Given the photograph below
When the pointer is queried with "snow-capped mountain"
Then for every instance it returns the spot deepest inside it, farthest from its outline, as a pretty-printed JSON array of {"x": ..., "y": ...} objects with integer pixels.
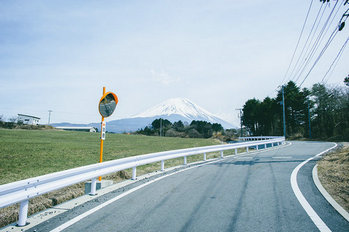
[{"x": 173, "y": 110}]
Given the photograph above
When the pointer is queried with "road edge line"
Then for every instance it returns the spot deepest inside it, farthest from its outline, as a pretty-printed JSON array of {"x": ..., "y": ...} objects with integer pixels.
[
  {"x": 327, "y": 196},
  {"x": 56, "y": 210},
  {"x": 321, "y": 225},
  {"x": 91, "y": 211}
]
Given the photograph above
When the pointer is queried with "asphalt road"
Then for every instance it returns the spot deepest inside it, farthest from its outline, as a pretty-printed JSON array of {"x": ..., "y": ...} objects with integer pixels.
[{"x": 241, "y": 193}]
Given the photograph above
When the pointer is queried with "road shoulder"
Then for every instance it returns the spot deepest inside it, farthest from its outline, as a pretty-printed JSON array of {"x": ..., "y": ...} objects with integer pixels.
[{"x": 327, "y": 196}]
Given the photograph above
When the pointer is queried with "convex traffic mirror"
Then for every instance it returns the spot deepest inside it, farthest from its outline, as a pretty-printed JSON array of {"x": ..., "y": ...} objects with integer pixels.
[{"x": 107, "y": 104}]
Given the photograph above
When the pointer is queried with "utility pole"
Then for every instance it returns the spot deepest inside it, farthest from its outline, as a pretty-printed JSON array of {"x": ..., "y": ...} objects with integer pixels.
[
  {"x": 240, "y": 115},
  {"x": 309, "y": 121},
  {"x": 160, "y": 126},
  {"x": 49, "y": 116},
  {"x": 283, "y": 110}
]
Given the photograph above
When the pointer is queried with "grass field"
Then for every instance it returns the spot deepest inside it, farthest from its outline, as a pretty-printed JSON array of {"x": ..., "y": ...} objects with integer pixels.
[{"x": 29, "y": 153}]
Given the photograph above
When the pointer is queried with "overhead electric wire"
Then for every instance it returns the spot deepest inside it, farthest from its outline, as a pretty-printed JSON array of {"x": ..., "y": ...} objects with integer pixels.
[
  {"x": 306, "y": 43},
  {"x": 334, "y": 17},
  {"x": 333, "y": 35},
  {"x": 299, "y": 39},
  {"x": 315, "y": 46},
  {"x": 310, "y": 53},
  {"x": 335, "y": 61}
]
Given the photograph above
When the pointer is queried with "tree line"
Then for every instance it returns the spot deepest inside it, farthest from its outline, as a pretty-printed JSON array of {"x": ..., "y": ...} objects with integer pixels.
[
  {"x": 321, "y": 112},
  {"x": 196, "y": 129}
]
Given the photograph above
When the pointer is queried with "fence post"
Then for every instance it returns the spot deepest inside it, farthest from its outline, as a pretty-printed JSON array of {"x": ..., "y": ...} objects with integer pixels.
[
  {"x": 222, "y": 155},
  {"x": 134, "y": 173},
  {"x": 93, "y": 187},
  {"x": 185, "y": 160},
  {"x": 205, "y": 156},
  {"x": 236, "y": 151},
  {"x": 23, "y": 213},
  {"x": 162, "y": 165}
]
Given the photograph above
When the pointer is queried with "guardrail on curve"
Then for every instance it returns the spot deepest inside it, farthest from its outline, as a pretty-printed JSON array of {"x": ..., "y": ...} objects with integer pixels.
[{"x": 23, "y": 190}]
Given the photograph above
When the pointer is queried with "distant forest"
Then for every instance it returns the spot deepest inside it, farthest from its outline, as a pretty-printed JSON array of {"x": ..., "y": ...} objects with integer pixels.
[
  {"x": 321, "y": 112},
  {"x": 196, "y": 129}
]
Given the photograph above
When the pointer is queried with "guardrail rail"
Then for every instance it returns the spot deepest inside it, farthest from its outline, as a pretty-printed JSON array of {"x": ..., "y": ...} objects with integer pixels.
[{"x": 22, "y": 191}]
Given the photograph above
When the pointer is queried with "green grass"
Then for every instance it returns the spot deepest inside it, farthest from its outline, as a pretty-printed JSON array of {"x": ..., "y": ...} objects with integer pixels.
[{"x": 29, "y": 153}]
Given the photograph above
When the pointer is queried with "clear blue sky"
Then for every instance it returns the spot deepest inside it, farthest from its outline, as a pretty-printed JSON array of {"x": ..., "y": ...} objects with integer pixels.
[{"x": 57, "y": 55}]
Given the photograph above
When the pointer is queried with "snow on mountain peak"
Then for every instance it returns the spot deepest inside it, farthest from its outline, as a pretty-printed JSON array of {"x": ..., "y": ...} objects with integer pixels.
[{"x": 179, "y": 106}]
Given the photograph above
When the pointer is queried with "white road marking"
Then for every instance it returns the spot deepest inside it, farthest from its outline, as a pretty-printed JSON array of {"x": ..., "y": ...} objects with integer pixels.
[
  {"x": 91, "y": 211},
  {"x": 327, "y": 196},
  {"x": 282, "y": 157},
  {"x": 305, "y": 204}
]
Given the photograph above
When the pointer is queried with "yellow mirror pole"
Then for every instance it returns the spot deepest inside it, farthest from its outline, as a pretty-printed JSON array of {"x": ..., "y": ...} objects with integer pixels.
[{"x": 101, "y": 147}]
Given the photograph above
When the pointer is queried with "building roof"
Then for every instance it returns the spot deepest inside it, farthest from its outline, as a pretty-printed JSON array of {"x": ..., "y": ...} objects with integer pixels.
[
  {"x": 26, "y": 115},
  {"x": 75, "y": 127}
]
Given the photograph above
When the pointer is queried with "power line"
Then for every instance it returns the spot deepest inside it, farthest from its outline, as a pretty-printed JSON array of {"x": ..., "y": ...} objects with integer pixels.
[
  {"x": 306, "y": 54},
  {"x": 306, "y": 42},
  {"x": 300, "y": 36},
  {"x": 335, "y": 61},
  {"x": 333, "y": 35},
  {"x": 316, "y": 46},
  {"x": 334, "y": 17}
]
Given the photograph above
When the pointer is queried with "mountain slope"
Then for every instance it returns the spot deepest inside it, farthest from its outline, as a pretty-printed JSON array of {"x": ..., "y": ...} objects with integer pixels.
[
  {"x": 172, "y": 109},
  {"x": 178, "y": 106}
]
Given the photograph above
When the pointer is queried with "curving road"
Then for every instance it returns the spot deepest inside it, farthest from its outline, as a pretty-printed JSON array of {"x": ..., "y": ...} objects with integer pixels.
[{"x": 240, "y": 193}]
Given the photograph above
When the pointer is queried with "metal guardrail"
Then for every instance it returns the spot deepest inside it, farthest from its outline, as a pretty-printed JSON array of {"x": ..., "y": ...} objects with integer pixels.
[
  {"x": 22, "y": 191},
  {"x": 254, "y": 138}
]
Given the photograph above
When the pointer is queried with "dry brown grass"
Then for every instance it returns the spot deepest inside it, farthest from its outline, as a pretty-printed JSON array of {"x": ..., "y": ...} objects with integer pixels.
[{"x": 333, "y": 172}]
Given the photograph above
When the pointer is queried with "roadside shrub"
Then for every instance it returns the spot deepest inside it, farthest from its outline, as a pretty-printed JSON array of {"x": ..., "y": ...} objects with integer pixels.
[
  {"x": 192, "y": 133},
  {"x": 173, "y": 133}
]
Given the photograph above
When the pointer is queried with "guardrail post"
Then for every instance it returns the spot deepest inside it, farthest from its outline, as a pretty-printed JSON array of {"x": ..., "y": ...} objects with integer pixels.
[
  {"x": 134, "y": 173},
  {"x": 162, "y": 165},
  {"x": 93, "y": 187},
  {"x": 185, "y": 160},
  {"x": 272, "y": 144},
  {"x": 205, "y": 157},
  {"x": 265, "y": 146},
  {"x": 236, "y": 151},
  {"x": 23, "y": 213},
  {"x": 246, "y": 149},
  {"x": 257, "y": 147},
  {"x": 222, "y": 155}
]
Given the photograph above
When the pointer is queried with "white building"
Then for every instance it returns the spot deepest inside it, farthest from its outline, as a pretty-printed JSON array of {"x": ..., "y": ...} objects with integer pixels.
[
  {"x": 28, "y": 119},
  {"x": 75, "y": 128}
]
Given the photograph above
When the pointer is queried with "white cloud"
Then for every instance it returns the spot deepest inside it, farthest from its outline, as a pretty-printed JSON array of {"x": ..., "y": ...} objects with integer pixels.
[{"x": 163, "y": 77}]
